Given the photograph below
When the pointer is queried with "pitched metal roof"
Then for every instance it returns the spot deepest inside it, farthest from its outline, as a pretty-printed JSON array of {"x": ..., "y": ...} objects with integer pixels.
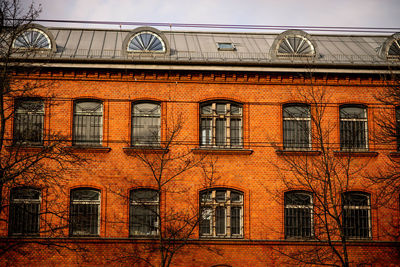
[{"x": 186, "y": 47}]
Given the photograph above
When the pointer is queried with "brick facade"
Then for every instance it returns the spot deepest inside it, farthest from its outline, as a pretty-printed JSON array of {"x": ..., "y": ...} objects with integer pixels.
[{"x": 252, "y": 170}]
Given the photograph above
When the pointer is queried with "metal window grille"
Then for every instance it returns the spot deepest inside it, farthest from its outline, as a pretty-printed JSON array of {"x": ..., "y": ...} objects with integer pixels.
[
  {"x": 221, "y": 213},
  {"x": 296, "y": 127},
  {"x": 356, "y": 215},
  {"x": 144, "y": 211},
  {"x": 88, "y": 123},
  {"x": 146, "y": 124},
  {"x": 353, "y": 128},
  {"x": 221, "y": 125},
  {"x": 24, "y": 211},
  {"x": 298, "y": 215},
  {"x": 28, "y": 122},
  {"x": 85, "y": 212}
]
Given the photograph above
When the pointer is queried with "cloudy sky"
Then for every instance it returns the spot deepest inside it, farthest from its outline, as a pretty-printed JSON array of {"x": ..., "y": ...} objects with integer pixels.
[{"x": 354, "y": 13}]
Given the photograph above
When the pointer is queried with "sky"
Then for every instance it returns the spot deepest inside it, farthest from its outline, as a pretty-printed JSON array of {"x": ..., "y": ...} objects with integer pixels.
[{"x": 349, "y": 13}]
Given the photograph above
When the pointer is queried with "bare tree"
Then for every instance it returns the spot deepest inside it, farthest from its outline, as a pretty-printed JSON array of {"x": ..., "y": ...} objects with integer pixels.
[
  {"x": 319, "y": 177},
  {"x": 31, "y": 159},
  {"x": 164, "y": 212}
]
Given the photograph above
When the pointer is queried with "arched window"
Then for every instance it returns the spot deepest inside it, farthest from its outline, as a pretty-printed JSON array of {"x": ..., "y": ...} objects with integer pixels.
[
  {"x": 353, "y": 127},
  {"x": 296, "y": 126},
  {"x": 85, "y": 212},
  {"x": 298, "y": 214},
  {"x": 146, "y": 41},
  {"x": 295, "y": 45},
  {"x": 356, "y": 218},
  {"x": 146, "y": 124},
  {"x": 394, "y": 49},
  {"x": 32, "y": 39},
  {"x": 88, "y": 122},
  {"x": 221, "y": 213},
  {"x": 221, "y": 124},
  {"x": 144, "y": 212},
  {"x": 28, "y": 121},
  {"x": 24, "y": 211}
]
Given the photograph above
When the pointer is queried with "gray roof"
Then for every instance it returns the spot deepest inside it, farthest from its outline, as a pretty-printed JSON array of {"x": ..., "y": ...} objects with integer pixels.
[{"x": 88, "y": 45}]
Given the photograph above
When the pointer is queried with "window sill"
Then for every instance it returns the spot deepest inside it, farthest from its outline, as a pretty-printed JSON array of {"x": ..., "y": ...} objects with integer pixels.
[
  {"x": 395, "y": 154},
  {"x": 221, "y": 237},
  {"x": 26, "y": 148},
  {"x": 354, "y": 153},
  {"x": 144, "y": 150},
  {"x": 222, "y": 151},
  {"x": 88, "y": 149},
  {"x": 288, "y": 152}
]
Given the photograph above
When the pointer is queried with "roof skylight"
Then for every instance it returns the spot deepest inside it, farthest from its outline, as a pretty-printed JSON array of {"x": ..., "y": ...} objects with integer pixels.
[{"x": 226, "y": 46}]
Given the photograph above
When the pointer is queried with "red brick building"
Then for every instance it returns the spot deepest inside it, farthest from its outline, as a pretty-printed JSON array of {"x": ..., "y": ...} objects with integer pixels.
[{"x": 245, "y": 105}]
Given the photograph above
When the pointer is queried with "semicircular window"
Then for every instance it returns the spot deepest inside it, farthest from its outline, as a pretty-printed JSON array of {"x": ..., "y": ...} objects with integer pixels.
[
  {"x": 394, "y": 49},
  {"x": 146, "y": 42},
  {"x": 295, "y": 45},
  {"x": 32, "y": 39}
]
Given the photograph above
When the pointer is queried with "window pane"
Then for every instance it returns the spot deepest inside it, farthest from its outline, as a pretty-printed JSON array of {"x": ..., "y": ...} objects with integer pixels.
[
  {"x": 221, "y": 108},
  {"x": 236, "y": 132},
  {"x": 235, "y": 220},
  {"x": 144, "y": 219},
  {"x": 206, "y": 132},
  {"x": 220, "y": 130},
  {"x": 205, "y": 221},
  {"x": 220, "y": 195},
  {"x": 220, "y": 220}
]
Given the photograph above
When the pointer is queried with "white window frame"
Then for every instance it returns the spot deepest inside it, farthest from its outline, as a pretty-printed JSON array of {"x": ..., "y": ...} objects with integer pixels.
[{"x": 212, "y": 204}]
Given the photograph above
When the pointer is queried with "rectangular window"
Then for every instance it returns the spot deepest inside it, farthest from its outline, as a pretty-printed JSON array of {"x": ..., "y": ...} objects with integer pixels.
[
  {"x": 356, "y": 215},
  {"x": 24, "y": 211},
  {"x": 144, "y": 208},
  {"x": 221, "y": 213},
  {"x": 298, "y": 215},
  {"x": 146, "y": 124},
  {"x": 353, "y": 127},
  {"x": 88, "y": 123},
  {"x": 85, "y": 212},
  {"x": 296, "y": 126},
  {"x": 221, "y": 125},
  {"x": 28, "y": 122}
]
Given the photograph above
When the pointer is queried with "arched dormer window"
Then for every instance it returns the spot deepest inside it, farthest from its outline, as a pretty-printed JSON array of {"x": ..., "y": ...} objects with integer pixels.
[
  {"x": 390, "y": 49},
  {"x": 34, "y": 37},
  {"x": 146, "y": 39},
  {"x": 293, "y": 43}
]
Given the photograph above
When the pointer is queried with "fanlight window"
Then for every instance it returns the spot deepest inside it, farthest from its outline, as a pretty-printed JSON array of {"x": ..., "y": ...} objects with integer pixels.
[
  {"x": 32, "y": 39},
  {"x": 394, "y": 49},
  {"x": 295, "y": 45},
  {"x": 146, "y": 42}
]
